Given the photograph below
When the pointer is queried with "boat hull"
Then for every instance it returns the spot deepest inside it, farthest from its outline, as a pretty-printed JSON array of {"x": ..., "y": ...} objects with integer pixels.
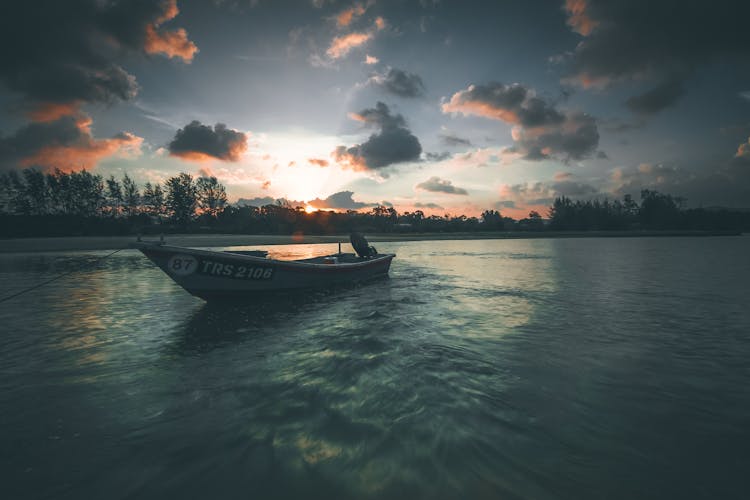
[{"x": 210, "y": 275}]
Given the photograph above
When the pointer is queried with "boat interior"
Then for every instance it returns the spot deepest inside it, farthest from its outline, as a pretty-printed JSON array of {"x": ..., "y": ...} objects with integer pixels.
[{"x": 338, "y": 258}]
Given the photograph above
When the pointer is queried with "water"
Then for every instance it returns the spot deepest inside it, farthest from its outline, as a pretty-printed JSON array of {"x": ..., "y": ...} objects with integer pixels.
[{"x": 540, "y": 369}]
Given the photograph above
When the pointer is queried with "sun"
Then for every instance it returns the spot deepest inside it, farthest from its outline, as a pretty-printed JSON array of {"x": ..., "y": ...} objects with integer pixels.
[{"x": 310, "y": 209}]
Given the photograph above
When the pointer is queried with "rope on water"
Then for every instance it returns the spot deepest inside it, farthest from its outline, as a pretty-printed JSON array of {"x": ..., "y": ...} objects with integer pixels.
[{"x": 39, "y": 285}]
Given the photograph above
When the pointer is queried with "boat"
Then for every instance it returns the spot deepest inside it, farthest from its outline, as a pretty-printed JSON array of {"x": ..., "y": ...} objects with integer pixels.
[{"x": 211, "y": 275}]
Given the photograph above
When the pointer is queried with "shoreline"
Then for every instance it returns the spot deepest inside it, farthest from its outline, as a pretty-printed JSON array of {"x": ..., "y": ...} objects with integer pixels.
[{"x": 83, "y": 243}]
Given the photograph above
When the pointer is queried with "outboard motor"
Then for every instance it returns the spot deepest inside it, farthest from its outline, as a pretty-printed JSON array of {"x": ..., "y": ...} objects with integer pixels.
[{"x": 361, "y": 246}]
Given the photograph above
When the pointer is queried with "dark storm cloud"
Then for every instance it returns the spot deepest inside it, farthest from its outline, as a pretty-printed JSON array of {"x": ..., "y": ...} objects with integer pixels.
[
  {"x": 658, "y": 98},
  {"x": 63, "y": 52},
  {"x": 661, "y": 41},
  {"x": 393, "y": 144},
  {"x": 65, "y": 143},
  {"x": 541, "y": 131},
  {"x": 342, "y": 200},
  {"x": 576, "y": 139},
  {"x": 399, "y": 82},
  {"x": 200, "y": 142},
  {"x": 438, "y": 185}
]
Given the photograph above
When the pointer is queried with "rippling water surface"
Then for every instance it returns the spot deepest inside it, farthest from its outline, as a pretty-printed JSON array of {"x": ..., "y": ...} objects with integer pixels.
[{"x": 559, "y": 368}]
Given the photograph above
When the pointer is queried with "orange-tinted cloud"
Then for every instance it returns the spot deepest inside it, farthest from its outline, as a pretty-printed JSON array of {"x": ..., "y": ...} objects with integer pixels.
[
  {"x": 540, "y": 129},
  {"x": 743, "y": 152},
  {"x": 318, "y": 162},
  {"x": 71, "y": 146},
  {"x": 346, "y": 16},
  {"x": 342, "y": 45},
  {"x": 349, "y": 158},
  {"x": 578, "y": 18},
  {"x": 173, "y": 43},
  {"x": 467, "y": 107},
  {"x": 51, "y": 111}
]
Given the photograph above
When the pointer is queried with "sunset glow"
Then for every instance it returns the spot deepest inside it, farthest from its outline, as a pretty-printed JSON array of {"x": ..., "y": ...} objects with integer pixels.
[{"x": 446, "y": 108}]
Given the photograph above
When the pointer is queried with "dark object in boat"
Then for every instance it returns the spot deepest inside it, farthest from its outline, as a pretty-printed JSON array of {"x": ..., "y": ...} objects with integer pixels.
[{"x": 362, "y": 246}]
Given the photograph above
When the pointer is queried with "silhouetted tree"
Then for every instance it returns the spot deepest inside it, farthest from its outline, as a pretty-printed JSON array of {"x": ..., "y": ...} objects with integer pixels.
[
  {"x": 182, "y": 198},
  {"x": 659, "y": 211},
  {"x": 130, "y": 194},
  {"x": 114, "y": 195},
  {"x": 153, "y": 199},
  {"x": 212, "y": 196},
  {"x": 492, "y": 220}
]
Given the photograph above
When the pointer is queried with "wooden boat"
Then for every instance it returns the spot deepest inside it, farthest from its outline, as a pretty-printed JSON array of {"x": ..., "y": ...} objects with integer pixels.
[{"x": 221, "y": 274}]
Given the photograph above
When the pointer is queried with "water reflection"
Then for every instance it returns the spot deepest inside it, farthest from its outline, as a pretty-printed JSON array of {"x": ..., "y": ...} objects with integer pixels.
[{"x": 531, "y": 369}]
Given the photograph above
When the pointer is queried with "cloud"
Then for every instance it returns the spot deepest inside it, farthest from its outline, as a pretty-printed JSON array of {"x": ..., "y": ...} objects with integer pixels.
[
  {"x": 370, "y": 60},
  {"x": 438, "y": 185},
  {"x": 379, "y": 116},
  {"x": 742, "y": 156},
  {"x": 578, "y": 18},
  {"x": 65, "y": 143},
  {"x": 342, "y": 200},
  {"x": 573, "y": 189},
  {"x": 450, "y": 139},
  {"x": 173, "y": 43},
  {"x": 433, "y": 206},
  {"x": 577, "y": 138},
  {"x": 540, "y": 130},
  {"x": 726, "y": 185},
  {"x": 346, "y": 16},
  {"x": 392, "y": 144},
  {"x": 199, "y": 142},
  {"x": 644, "y": 40},
  {"x": 68, "y": 54},
  {"x": 318, "y": 162},
  {"x": 399, "y": 82},
  {"x": 529, "y": 193},
  {"x": 543, "y": 193},
  {"x": 52, "y": 111},
  {"x": 256, "y": 202},
  {"x": 342, "y": 45},
  {"x": 438, "y": 156},
  {"x": 513, "y": 103},
  {"x": 662, "y": 96}
]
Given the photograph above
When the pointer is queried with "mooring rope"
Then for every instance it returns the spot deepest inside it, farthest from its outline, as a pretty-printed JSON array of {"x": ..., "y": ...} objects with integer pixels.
[{"x": 39, "y": 285}]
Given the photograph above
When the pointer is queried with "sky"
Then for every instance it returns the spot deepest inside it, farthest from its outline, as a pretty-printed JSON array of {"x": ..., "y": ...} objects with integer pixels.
[{"x": 435, "y": 105}]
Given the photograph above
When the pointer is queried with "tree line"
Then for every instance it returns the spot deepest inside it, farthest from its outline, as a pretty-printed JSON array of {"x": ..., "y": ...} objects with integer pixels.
[
  {"x": 656, "y": 211},
  {"x": 34, "y": 203}
]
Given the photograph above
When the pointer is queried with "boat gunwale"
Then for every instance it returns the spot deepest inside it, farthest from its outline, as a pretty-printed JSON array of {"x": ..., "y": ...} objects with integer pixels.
[{"x": 167, "y": 249}]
